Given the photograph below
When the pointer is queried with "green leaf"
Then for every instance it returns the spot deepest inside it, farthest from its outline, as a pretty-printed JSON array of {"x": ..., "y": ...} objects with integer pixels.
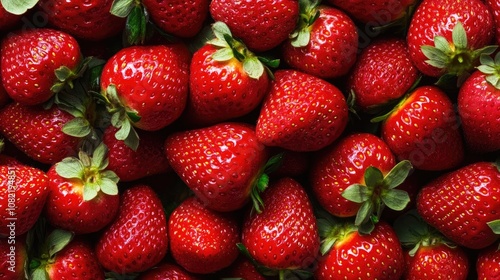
[
  {"x": 274, "y": 163},
  {"x": 410, "y": 228},
  {"x": 133, "y": 116},
  {"x": 302, "y": 38},
  {"x": 136, "y": 26},
  {"x": 57, "y": 240},
  {"x": 398, "y": 174},
  {"x": 373, "y": 176},
  {"x": 108, "y": 186},
  {"x": 124, "y": 130},
  {"x": 39, "y": 274},
  {"x": 220, "y": 30},
  {"x": 99, "y": 156},
  {"x": 487, "y": 69},
  {"x": 357, "y": 193},
  {"x": 77, "y": 127},
  {"x": 269, "y": 62},
  {"x": 69, "y": 168},
  {"x": 442, "y": 44},
  {"x": 494, "y": 80},
  {"x": 364, "y": 213},
  {"x": 122, "y": 8},
  {"x": 108, "y": 174},
  {"x": 18, "y": 7},
  {"x": 253, "y": 67},
  {"x": 90, "y": 190},
  {"x": 487, "y": 60},
  {"x": 396, "y": 199},
  {"x": 223, "y": 54},
  {"x": 459, "y": 36},
  {"x": 495, "y": 226}
]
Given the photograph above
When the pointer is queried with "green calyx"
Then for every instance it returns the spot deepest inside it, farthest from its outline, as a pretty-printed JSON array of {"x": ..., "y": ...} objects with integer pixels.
[
  {"x": 332, "y": 230},
  {"x": 91, "y": 171},
  {"x": 18, "y": 7},
  {"x": 495, "y": 226},
  {"x": 379, "y": 191},
  {"x": 57, "y": 240},
  {"x": 456, "y": 57},
  {"x": 307, "y": 16},
  {"x": 491, "y": 68},
  {"x": 229, "y": 48},
  {"x": 1, "y": 145},
  {"x": 137, "y": 20},
  {"x": 65, "y": 76},
  {"x": 262, "y": 182}
]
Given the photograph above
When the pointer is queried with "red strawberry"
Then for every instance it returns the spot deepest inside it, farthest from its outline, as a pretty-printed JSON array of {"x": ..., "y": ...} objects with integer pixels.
[
  {"x": 90, "y": 20},
  {"x": 82, "y": 193},
  {"x": 260, "y": 24},
  {"x": 301, "y": 112},
  {"x": 423, "y": 128},
  {"x": 38, "y": 132},
  {"x": 462, "y": 202},
  {"x": 376, "y": 13},
  {"x": 137, "y": 239},
  {"x": 147, "y": 87},
  {"x": 226, "y": 80},
  {"x": 284, "y": 236},
  {"x": 347, "y": 253},
  {"x": 479, "y": 106},
  {"x": 201, "y": 240},
  {"x": 167, "y": 271},
  {"x": 13, "y": 258},
  {"x": 495, "y": 11},
  {"x": 382, "y": 73},
  {"x": 23, "y": 194},
  {"x": 8, "y": 20},
  {"x": 129, "y": 165},
  {"x": 488, "y": 263},
  {"x": 435, "y": 22},
  {"x": 325, "y": 42},
  {"x": 243, "y": 268},
  {"x": 38, "y": 62},
  {"x": 222, "y": 164},
  {"x": 358, "y": 173}
]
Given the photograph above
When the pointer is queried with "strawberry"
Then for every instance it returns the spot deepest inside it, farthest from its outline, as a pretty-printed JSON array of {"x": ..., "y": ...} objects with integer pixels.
[
  {"x": 325, "y": 42},
  {"x": 495, "y": 11},
  {"x": 13, "y": 258},
  {"x": 226, "y": 80},
  {"x": 347, "y": 254},
  {"x": 222, "y": 164},
  {"x": 261, "y": 25},
  {"x": 463, "y": 203},
  {"x": 146, "y": 87},
  {"x": 137, "y": 239},
  {"x": 243, "y": 268},
  {"x": 488, "y": 263},
  {"x": 358, "y": 177},
  {"x": 423, "y": 128},
  {"x": 82, "y": 193},
  {"x": 427, "y": 252},
  {"x": 167, "y": 271},
  {"x": 284, "y": 236},
  {"x": 448, "y": 36},
  {"x": 382, "y": 74},
  {"x": 201, "y": 240},
  {"x": 479, "y": 106},
  {"x": 38, "y": 132},
  {"x": 301, "y": 112},
  {"x": 38, "y": 62},
  {"x": 129, "y": 165},
  {"x": 24, "y": 190},
  {"x": 377, "y": 13},
  {"x": 8, "y": 20}
]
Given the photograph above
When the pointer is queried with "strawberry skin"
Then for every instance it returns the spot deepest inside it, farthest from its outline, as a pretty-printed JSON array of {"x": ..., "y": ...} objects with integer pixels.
[
  {"x": 379, "y": 12},
  {"x": 137, "y": 239},
  {"x": 38, "y": 132},
  {"x": 285, "y": 234},
  {"x": 479, "y": 111},
  {"x": 167, "y": 271},
  {"x": 220, "y": 163},
  {"x": 270, "y": 22},
  {"x": 488, "y": 263},
  {"x": 383, "y": 72},
  {"x": 495, "y": 10},
  {"x": 29, "y": 59},
  {"x": 423, "y": 129},
  {"x": 301, "y": 112},
  {"x": 8, "y": 20},
  {"x": 202, "y": 241},
  {"x": 460, "y": 203},
  {"x": 13, "y": 255},
  {"x": 89, "y": 20}
]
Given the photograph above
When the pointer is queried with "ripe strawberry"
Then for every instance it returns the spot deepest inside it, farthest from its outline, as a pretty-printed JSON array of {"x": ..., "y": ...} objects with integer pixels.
[
  {"x": 428, "y": 255},
  {"x": 201, "y": 240},
  {"x": 13, "y": 258},
  {"x": 129, "y": 165},
  {"x": 376, "y": 13},
  {"x": 167, "y": 271},
  {"x": 462, "y": 202},
  {"x": 82, "y": 193},
  {"x": 349, "y": 254},
  {"x": 488, "y": 263},
  {"x": 261, "y": 25},
  {"x": 147, "y": 87},
  {"x": 243, "y": 268},
  {"x": 223, "y": 164},
  {"x": 90, "y": 20},
  {"x": 457, "y": 46},
  {"x": 284, "y": 236},
  {"x": 325, "y": 42},
  {"x": 479, "y": 106},
  {"x": 226, "y": 80},
  {"x": 382, "y": 73},
  {"x": 358, "y": 173},
  {"x": 495, "y": 11},
  {"x": 301, "y": 112},
  {"x": 8, "y": 20},
  {"x": 38, "y": 62},
  {"x": 38, "y": 132},
  {"x": 137, "y": 239},
  {"x": 423, "y": 128},
  {"x": 23, "y": 194}
]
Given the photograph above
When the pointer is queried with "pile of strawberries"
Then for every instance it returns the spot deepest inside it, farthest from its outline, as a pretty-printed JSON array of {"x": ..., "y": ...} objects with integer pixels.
[{"x": 250, "y": 139}]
